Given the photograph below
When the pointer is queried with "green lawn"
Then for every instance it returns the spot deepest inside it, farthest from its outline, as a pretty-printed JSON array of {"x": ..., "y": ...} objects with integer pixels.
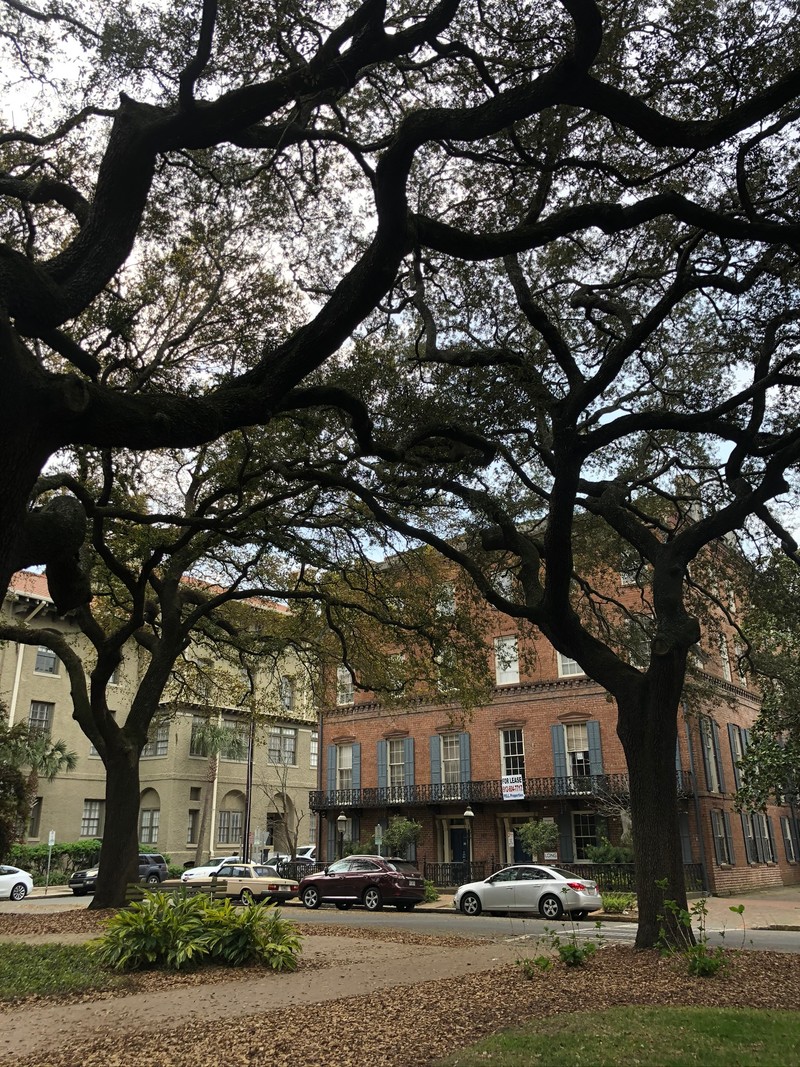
[
  {"x": 51, "y": 969},
  {"x": 645, "y": 1037}
]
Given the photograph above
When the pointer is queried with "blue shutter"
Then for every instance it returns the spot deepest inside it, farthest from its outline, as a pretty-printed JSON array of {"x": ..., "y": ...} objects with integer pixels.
[
  {"x": 745, "y": 740},
  {"x": 355, "y": 827},
  {"x": 331, "y": 768},
  {"x": 703, "y": 752},
  {"x": 768, "y": 822},
  {"x": 357, "y": 768},
  {"x": 465, "y": 758},
  {"x": 565, "y": 853},
  {"x": 408, "y": 761},
  {"x": 595, "y": 751},
  {"x": 383, "y": 748},
  {"x": 718, "y": 859},
  {"x": 732, "y": 731},
  {"x": 720, "y": 770},
  {"x": 678, "y": 764},
  {"x": 330, "y": 853},
  {"x": 436, "y": 759},
  {"x": 726, "y": 819},
  {"x": 559, "y": 754}
]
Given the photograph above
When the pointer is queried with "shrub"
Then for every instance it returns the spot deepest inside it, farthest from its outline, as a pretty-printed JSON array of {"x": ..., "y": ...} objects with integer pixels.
[
  {"x": 431, "y": 892},
  {"x": 617, "y": 903},
  {"x": 605, "y": 852},
  {"x": 175, "y": 931},
  {"x": 67, "y": 857}
]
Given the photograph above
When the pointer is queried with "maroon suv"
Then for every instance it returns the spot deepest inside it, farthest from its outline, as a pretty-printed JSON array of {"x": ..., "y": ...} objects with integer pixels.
[{"x": 369, "y": 880}]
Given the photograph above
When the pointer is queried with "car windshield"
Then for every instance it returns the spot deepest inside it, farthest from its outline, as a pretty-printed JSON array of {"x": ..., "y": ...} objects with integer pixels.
[{"x": 402, "y": 866}]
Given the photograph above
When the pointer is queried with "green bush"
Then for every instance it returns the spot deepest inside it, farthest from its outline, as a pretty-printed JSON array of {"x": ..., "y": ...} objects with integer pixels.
[
  {"x": 431, "y": 892},
  {"x": 175, "y": 931},
  {"x": 66, "y": 857},
  {"x": 605, "y": 852},
  {"x": 617, "y": 903},
  {"x": 174, "y": 870}
]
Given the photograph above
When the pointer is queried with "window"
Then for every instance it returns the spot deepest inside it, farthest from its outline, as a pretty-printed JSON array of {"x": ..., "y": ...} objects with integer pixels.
[
  {"x": 287, "y": 692},
  {"x": 114, "y": 679},
  {"x": 194, "y": 792},
  {"x": 314, "y": 749},
  {"x": 506, "y": 660},
  {"x": 148, "y": 825},
  {"x": 344, "y": 686},
  {"x": 584, "y": 827},
  {"x": 192, "y": 826},
  {"x": 40, "y": 717},
  {"x": 344, "y": 766},
  {"x": 312, "y": 826},
  {"x": 198, "y": 745},
  {"x": 92, "y": 818},
  {"x": 710, "y": 748},
  {"x": 230, "y": 827},
  {"x": 396, "y": 750},
  {"x": 282, "y": 745},
  {"x": 786, "y": 833},
  {"x": 233, "y": 745},
  {"x": 721, "y": 834},
  {"x": 513, "y": 753},
  {"x": 157, "y": 745},
  {"x": 46, "y": 661},
  {"x": 758, "y": 838},
  {"x": 568, "y": 668},
  {"x": 577, "y": 745},
  {"x": 738, "y": 740},
  {"x": 35, "y": 818},
  {"x": 725, "y": 659},
  {"x": 451, "y": 759}
]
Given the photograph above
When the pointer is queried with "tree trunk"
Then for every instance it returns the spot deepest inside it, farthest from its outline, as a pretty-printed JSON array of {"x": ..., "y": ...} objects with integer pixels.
[
  {"x": 119, "y": 855},
  {"x": 211, "y": 776},
  {"x": 648, "y": 729}
]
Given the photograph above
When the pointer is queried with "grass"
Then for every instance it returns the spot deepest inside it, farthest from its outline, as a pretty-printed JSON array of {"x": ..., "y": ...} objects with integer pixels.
[
  {"x": 645, "y": 1037},
  {"x": 51, "y": 970}
]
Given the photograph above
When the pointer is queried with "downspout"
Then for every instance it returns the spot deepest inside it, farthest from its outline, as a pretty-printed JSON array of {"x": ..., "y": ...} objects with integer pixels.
[
  {"x": 214, "y": 792},
  {"x": 18, "y": 670},
  {"x": 698, "y": 820}
]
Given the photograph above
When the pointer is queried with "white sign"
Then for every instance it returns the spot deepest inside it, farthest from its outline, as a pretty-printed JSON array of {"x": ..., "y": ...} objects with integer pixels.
[
  {"x": 510, "y": 842},
  {"x": 513, "y": 787},
  {"x": 51, "y": 838},
  {"x": 378, "y": 835},
  {"x": 550, "y": 857}
]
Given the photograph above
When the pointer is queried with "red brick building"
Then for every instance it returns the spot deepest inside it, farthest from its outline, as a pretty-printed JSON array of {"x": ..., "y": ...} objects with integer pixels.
[{"x": 545, "y": 746}]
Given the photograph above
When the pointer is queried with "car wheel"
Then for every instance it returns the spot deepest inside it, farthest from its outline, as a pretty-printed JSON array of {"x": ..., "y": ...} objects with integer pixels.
[
  {"x": 373, "y": 901},
  {"x": 19, "y": 891},
  {"x": 153, "y": 879},
  {"x": 405, "y": 906},
  {"x": 311, "y": 897},
  {"x": 471, "y": 904},
  {"x": 343, "y": 905},
  {"x": 247, "y": 896},
  {"x": 550, "y": 907}
]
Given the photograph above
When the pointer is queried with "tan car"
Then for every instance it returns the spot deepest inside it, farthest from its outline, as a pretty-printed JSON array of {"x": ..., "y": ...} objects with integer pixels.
[{"x": 251, "y": 882}]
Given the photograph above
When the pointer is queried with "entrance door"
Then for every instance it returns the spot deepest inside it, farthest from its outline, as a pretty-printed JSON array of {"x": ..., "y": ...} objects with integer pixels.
[{"x": 459, "y": 851}]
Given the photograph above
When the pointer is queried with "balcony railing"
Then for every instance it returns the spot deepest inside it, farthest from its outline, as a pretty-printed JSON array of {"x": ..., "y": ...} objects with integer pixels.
[{"x": 593, "y": 785}]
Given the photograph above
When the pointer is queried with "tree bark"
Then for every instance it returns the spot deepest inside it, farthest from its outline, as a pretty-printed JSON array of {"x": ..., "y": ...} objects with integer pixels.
[
  {"x": 119, "y": 855},
  {"x": 648, "y": 729}
]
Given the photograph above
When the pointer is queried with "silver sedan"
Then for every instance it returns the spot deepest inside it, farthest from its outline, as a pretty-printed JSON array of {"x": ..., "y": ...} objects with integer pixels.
[{"x": 548, "y": 891}]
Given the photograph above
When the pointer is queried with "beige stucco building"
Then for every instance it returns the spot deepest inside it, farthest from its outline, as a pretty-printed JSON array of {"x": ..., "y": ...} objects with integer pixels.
[{"x": 174, "y": 769}]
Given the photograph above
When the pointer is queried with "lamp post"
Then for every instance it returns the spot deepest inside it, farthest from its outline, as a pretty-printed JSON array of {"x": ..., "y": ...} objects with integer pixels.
[
  {"x": 341, "y": 822},
  {"x": 469, "y": 815}
]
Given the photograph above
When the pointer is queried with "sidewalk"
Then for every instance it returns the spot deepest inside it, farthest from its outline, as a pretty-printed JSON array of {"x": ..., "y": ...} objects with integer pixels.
[{"x": 774, "y": 908}]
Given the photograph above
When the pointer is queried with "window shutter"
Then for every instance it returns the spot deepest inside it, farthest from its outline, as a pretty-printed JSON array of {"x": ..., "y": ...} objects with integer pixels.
[
  {"x": 330, "y": 854},
  {"x": 732, "y": 739},
  {"x": 355, "y": 824},
  {"x": 758, "y": 833},
  {"x": 383, "y": 777},
  {"x": 436, "y": 759},
  {"x": 773, "y": 856},
  {"x": 714, "y": 816},
  {"x": 704, "y": 719},
  {"x": 559, "y": 756},
  {"x": 564, "y": 823},
  {"x": 678, "y": 764},
  {"x": 720, "y": 771},
  {"x": 727, "y": 820},
  {"x": 745, "y": 739},
  {"x": 465, "y": 757},
  {"x": 408, "y": 761},
  {"x": 595, "y": 751},
  {"x": 357, "y": 768},
  {"x": 686, "y": 842},
  {"x": 331, "y": 768},
  {"x": 748, "y": 840}
]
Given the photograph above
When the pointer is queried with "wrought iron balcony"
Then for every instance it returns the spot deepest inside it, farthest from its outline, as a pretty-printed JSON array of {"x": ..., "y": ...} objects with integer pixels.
[{"x": 594, "y": 785}]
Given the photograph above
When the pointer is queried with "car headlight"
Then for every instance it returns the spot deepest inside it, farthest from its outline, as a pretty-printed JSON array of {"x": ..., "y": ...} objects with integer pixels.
[{"x": 93, "y": 873}]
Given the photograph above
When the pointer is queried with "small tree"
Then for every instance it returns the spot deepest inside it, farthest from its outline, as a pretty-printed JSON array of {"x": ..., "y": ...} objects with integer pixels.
[
  {"x": 399, "y": 835},
  {"x": 537, "y": 836}
]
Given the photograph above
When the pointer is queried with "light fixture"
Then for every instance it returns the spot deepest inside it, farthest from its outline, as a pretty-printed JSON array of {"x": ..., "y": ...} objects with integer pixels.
[
  {"x": 342, "y": 819},
  {"x": 469, "y": 813}
]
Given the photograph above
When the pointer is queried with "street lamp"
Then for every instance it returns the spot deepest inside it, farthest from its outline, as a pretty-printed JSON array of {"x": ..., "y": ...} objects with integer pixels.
[
  {"x": 341, "y": 822},
  {"x": 469, "y": 815}
]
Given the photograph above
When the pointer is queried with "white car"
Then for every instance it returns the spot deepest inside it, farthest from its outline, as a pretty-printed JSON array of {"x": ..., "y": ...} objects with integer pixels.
[
  {"x": 14, "y": 883},
  {"x": 208, "y": 869},
  {"x": 547, "y": 891}
]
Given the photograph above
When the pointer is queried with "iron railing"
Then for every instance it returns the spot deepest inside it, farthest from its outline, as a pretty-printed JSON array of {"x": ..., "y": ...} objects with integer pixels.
[
  {"x": 598, "y": 785},
  {"x": 610, "y": 877}
]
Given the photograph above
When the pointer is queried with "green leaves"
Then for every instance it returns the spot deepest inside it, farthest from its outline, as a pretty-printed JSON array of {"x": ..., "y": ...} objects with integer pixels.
[{"x": 177, "y": 931}]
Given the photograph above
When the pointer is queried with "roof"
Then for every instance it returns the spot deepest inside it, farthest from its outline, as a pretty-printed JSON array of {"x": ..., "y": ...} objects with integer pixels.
[{"x": 29, "y": 583}]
